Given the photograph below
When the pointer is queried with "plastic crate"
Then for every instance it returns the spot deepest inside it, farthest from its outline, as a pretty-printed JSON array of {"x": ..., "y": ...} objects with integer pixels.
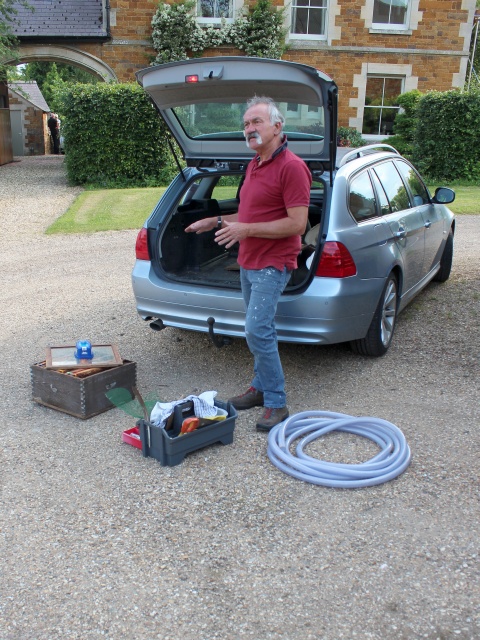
[
  {"x": 170, "y": 448},
  {"x": 132, "y": 436}
]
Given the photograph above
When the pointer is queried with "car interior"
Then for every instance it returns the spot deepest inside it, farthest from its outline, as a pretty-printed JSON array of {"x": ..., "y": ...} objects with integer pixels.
[{"x": 191, "y": 257}]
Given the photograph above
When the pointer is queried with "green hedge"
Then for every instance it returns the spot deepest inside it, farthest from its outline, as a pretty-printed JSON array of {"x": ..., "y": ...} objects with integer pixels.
[
  {"x": 447, "y": 137},
  {"x": 114, "y": 137}
]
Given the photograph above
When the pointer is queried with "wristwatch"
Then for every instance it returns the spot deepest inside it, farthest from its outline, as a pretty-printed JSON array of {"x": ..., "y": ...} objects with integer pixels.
[{"x": 219, "y": 222}]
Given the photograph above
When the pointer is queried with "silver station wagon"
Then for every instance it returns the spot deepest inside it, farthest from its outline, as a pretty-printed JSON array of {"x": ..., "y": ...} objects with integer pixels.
[{"x": 375, "y": 235}]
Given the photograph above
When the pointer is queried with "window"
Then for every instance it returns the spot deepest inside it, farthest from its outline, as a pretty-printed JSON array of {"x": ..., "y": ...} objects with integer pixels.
[
  {"x": 418, "y": 189},
  {"x": 309, "y": 18},
  {"x": 393, "y": 186},
  {"x": 390, "y": 13},
  {"x": 380, "y": 105},
  {"x": 382, "y": 198},
  {"x": 214, "y": 10},
  {"x": 361, "y": 201}
]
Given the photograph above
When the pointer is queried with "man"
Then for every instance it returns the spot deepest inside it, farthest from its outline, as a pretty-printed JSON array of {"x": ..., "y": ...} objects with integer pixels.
[
  {"x": 271, "y": 217},
  {"x": 53, "y": 124}
]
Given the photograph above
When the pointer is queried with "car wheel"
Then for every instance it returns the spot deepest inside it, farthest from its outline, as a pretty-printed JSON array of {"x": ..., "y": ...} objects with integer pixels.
[
  {"x": 380, "y": 332},
  {"x": 446, "y": 260}
]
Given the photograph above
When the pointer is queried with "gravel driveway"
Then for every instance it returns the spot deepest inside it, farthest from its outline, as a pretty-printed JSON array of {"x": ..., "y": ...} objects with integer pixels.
[{"x": 99, "y": 542}]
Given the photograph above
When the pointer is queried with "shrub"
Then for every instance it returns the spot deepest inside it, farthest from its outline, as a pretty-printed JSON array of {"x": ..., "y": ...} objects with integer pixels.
[
  {"x": 405, "y": 123},
  {"x": 348, "y": 137},
  {"x": 401, "y": 145},
  {"x": 447, "y": 137},
  {"x": 258, "y": 31},
  {"x": 114, "y": 137}
]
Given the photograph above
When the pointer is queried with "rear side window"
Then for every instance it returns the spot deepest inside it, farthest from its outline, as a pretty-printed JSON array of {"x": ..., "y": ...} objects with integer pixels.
[
  {"x": 227, "y": 187},
  {"x": 393, "y": 186},
  {"x": 361, "y": 200},
  {"x": 418, "y": 189}
]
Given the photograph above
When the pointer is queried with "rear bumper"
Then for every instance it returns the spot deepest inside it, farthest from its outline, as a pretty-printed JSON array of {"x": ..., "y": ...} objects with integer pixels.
[{"x": 328, "y": 312}]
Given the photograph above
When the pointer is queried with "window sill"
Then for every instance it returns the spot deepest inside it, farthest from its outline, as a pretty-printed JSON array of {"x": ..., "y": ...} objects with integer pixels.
[
  {"x": 306, "y": 43},
  {"x": 213, "y": 22},
  {"x": 316, "y": 37},
  {"x": 391, "y": 32}
]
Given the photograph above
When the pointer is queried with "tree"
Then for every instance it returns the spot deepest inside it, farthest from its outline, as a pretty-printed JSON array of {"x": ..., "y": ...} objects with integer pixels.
[
  {"x": 38, "y": 71},
  {"x": 51, "y": 86},
  {"x": 8, "y": 41}
]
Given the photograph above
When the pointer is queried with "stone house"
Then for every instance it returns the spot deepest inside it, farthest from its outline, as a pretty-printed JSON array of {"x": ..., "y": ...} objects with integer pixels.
[
  {"x": 28, "y": 117},
  {"x": 374, "y": 49}
]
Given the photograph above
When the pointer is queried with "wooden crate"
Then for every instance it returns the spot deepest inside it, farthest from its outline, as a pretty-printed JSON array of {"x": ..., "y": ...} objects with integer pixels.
[{"x": 80, "y": 397}]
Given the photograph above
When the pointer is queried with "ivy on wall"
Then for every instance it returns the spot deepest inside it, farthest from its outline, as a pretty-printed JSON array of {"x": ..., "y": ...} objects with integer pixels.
[{"x": 258, "y": 31}]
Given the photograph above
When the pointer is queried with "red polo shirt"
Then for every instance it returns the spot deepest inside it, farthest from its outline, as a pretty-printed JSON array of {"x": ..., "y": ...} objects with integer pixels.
[{"x": 269, "y": 190}]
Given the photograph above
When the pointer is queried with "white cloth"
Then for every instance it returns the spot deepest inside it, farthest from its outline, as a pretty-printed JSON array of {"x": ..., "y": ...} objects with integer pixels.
[{"x": 203, "y": 406}]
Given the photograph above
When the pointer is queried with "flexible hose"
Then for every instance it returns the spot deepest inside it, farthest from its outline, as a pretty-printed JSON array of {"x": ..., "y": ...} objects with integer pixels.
[{"x": 390, "y": 462}]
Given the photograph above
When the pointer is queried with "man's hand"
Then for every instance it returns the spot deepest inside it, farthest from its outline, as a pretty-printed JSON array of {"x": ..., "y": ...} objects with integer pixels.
[
  {"x": 231, "y": 233},
  {"x": 200, "y": 226}
]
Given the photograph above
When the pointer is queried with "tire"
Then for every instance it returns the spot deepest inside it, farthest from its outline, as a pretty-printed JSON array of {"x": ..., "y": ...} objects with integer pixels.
[
  {"x": 446, "y": 260},
  {"x": 380, "y": 333}
]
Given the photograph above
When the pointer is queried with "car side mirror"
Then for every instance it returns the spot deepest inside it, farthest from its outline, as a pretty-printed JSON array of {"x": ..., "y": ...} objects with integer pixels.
[{"x": 443, "y": 195}]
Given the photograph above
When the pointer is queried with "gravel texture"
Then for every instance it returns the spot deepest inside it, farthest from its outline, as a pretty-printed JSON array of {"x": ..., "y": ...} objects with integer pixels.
[{"x": 99, "y": 542}]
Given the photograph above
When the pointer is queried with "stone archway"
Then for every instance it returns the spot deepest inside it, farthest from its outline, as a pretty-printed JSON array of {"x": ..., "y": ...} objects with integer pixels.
[{"x": 67, "y": 55}]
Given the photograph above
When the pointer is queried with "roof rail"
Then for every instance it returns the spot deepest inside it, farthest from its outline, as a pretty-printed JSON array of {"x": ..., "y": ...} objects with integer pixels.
[{"x": 364, "y": 151}]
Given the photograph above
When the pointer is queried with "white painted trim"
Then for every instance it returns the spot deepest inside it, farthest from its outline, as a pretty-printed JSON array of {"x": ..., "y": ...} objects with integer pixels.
[
  {"x": 414, "y": 17},
  {"x": 380, "y": 69},
  {"x": 332, "y": 32}
]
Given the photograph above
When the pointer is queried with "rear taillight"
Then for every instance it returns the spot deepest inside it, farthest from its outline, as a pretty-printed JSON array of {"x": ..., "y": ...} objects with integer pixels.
[
  {"x": 336, "y": 262},
  {"x": 141, "y": 245}
]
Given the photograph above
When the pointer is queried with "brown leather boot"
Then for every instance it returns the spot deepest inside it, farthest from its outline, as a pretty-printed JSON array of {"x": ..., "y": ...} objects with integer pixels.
[
  {"x": 249, "y": 399},
  {"x": 272, "y": 417}
]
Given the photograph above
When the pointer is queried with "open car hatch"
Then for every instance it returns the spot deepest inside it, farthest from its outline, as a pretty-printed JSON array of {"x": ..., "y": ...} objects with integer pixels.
[{"x": 203, "y": 101}]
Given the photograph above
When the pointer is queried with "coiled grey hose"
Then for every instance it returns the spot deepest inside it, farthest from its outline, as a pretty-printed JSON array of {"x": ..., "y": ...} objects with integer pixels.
[{"x": 390, "y": 462}]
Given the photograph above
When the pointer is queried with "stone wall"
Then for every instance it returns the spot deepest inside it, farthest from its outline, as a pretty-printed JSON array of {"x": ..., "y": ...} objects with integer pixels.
[{"x": 36, "y": 139}]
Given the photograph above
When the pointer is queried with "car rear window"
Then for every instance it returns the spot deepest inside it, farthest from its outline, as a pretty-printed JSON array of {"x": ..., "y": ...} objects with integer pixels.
[
  {"x": 219, "y": 120},
  {"x": 361, "y": 200}
]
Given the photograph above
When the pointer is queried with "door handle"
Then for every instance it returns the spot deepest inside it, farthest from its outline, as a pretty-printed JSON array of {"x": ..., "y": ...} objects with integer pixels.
[
  {"x": 401, "y": 233},
  {"x": 428, "y": 224}
]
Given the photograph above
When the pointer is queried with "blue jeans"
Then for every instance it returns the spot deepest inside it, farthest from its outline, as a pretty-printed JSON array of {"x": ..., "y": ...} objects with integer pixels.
[{"x": 261, "y": 291}]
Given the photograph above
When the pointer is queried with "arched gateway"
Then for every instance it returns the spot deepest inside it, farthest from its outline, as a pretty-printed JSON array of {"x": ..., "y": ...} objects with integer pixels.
[{"x": 66, "y": 55}]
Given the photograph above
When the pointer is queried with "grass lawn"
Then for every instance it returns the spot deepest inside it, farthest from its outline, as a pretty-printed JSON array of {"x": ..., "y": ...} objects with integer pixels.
[
  {"x": 117, "y": 209},
  {"x": 108, "y": 210}
]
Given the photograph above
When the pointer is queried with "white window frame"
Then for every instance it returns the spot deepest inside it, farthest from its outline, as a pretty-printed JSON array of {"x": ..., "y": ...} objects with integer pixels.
[
  {"x": 360, "y": 83},
  {"x": 396, "y": 26},
  {"x": 414, "y": 17},
  {"x": 308, "y": 36},
  {"x": 382, "y": 106},
  {"x": 234, "y": 5}
]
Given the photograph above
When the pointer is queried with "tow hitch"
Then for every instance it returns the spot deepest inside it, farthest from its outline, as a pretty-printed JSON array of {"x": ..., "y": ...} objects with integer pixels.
[{"x": 218, "y": 341}]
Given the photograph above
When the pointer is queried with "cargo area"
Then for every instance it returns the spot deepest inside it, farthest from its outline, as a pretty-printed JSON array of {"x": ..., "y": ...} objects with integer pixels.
[{"x": 198, "y": 259}]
